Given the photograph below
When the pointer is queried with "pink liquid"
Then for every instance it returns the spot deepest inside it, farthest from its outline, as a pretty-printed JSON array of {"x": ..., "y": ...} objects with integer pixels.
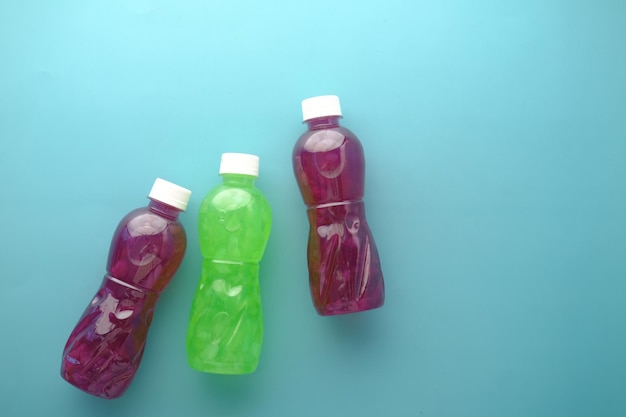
[
  {"x": 104, "y": 351},
  {"x": 345, "y": 275}
]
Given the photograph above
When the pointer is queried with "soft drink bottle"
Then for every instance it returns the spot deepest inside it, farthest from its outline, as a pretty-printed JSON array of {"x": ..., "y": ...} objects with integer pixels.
[
  {"x": 344, "y": 268},
  {"x": 226, "y": 323},
  {"x": 103, "y": 352}
]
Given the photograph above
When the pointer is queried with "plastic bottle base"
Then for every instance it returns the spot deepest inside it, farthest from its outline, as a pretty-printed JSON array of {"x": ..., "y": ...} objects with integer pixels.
[
  {"x": 224, "y": 368},
  {"x": 84, "y": 385},
  {"x": 348, "y": 307}
]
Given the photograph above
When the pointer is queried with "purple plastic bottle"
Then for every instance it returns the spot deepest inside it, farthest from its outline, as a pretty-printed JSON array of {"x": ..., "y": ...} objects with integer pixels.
[
  {"x": 344, "y": 268},
  {"x": 103, "y": 352}
]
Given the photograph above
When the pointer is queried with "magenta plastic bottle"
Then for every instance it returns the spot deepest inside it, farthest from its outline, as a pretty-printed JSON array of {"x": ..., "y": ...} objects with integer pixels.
[
  {"x": 103, "y": 352},
  {"x": 345, "y": 275}
]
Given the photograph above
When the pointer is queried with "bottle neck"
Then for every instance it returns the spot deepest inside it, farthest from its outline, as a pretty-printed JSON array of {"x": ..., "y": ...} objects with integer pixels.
[
  {"x": 239, "y": 180},
  {"x": 323, "y": 122},
  {"x": 163, "y": 209}
]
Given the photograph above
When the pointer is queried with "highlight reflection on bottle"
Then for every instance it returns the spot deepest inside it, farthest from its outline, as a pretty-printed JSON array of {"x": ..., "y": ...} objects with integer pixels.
[{"x": 345, "y": 275}]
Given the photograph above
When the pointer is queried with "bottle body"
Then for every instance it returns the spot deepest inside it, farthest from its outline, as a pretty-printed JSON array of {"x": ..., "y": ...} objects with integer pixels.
[
  {"x": 105, "y": 348},
  {"x": 225, "y": 330},
  {"x": 345, "y": 274}
]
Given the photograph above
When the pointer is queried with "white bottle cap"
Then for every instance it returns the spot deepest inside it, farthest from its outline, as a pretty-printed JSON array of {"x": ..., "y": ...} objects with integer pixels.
[
  {"x": 170, "y": 194},
  {"x": 320, "y": 106},
  {"x": 239, "y": 163}
]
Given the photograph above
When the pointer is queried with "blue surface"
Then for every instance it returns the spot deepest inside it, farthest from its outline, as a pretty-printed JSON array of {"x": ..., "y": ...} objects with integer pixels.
[{"x": 495, "y": 136}]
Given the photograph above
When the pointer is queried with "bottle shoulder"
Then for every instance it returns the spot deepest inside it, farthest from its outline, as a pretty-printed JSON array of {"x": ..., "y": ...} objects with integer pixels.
[
  {"x": 327, "y": 140},
  {"x": 144, "y": 221},
  {"x": 226, "y": 197}
]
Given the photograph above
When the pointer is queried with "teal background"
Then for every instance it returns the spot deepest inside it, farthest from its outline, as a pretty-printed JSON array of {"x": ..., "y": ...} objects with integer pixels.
[{"x": 495, "y": 136}]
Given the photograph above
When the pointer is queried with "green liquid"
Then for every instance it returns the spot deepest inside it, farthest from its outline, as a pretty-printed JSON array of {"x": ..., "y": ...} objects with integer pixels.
[{"x": 225, "y": 331}]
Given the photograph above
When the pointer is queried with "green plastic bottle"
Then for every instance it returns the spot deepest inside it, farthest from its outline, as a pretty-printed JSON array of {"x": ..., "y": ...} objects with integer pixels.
[{"x": 225, "y": 330}]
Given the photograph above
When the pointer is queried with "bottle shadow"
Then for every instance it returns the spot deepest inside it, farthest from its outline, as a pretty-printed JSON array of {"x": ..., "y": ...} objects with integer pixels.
[
  {"x": 234, "y": 393},
  {"x": 355, "y": 329}
]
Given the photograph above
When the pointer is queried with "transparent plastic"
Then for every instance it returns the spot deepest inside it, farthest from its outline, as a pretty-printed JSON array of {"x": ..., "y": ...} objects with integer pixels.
[
  {"x": 103, "y": 352},
  {"x": 225, "y": 330},
  {"x": 345, "y": 274}
]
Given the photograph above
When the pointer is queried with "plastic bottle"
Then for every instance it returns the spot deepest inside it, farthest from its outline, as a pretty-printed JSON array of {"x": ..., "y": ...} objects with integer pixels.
[
  {"x": 225, "y": 330},
  {"x": 104, "y": 351},
  {"x": 344, "y": 268}
]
